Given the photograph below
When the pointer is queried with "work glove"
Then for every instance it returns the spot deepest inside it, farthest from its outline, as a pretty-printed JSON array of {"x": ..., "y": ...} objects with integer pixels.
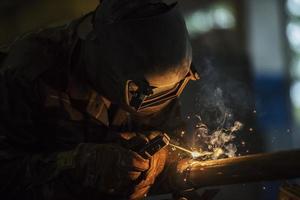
[
  {"x": 156, "y": 163},
  {"x": 113, "y": 168}
]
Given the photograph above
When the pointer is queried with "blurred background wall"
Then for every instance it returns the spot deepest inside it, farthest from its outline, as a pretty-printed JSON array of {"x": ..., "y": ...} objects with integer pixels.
[
  {"x": 248, "y": 55},
  {"x": 17, "y": 16}
]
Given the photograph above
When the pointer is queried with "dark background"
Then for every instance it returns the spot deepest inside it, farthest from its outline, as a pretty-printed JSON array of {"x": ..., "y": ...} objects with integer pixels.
[{"x": 248, "y": 55}]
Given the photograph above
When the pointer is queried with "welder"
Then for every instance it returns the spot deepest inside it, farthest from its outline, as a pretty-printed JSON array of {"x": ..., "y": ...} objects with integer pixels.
[{"x": 77, "y": 101}]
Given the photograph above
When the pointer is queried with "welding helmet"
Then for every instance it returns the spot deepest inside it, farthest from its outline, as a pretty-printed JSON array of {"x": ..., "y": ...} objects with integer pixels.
[{"x": 141, "y": 63}]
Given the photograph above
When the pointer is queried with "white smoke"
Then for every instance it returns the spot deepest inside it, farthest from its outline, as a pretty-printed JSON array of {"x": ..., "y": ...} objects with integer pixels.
[{"x": 215, "y": 144}]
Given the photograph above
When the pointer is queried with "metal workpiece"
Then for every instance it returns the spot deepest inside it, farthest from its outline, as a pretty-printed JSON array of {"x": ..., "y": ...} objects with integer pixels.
[{"x": 243, "y": 169}]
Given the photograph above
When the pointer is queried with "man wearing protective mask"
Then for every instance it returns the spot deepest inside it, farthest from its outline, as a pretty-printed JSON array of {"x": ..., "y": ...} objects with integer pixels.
[{"x": 78, "y": 102}]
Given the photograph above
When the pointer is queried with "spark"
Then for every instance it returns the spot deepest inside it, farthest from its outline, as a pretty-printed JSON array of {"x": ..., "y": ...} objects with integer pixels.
[
  {"x": 195, "y": 154},
  {"x": 237, "y": 126},
  {"x": 217, "y": 153},
  {"x": 214, "y": 144},
  {"x": 182, "y": 133}
]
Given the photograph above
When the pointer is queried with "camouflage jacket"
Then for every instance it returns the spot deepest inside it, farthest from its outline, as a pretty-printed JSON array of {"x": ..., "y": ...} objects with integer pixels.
[{"x": 39, "y": 119}]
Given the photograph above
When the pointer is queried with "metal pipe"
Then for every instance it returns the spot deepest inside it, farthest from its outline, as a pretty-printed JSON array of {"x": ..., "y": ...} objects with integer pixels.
[{"x": 251, "y": 168}]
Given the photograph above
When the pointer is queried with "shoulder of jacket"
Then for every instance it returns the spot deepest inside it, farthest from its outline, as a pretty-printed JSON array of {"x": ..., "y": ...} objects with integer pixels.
[{"x": 34, "y": 53}]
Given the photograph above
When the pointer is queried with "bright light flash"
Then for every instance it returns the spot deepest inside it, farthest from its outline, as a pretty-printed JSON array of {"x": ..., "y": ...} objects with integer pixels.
[{"x": 195, "y": 154}]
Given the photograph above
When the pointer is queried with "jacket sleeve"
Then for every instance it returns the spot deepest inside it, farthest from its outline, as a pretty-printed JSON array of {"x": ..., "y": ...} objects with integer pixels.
[
  {"x": 27, "y": 169},
  {"x": 23, "y": 166}
]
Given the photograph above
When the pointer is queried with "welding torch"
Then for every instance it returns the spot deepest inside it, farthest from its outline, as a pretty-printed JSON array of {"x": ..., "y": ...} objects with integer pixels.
[{"x": 154, "y": 145}]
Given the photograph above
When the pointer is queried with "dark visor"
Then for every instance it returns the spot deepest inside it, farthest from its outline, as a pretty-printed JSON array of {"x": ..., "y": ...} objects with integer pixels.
[{"x": 140, "y": 100}]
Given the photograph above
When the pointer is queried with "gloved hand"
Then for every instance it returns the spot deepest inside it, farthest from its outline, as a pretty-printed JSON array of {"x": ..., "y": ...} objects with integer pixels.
[
  {"x": 108, "y": 168},
  {"x": 157, "y": 162},
  {"x": 113, "y": 169}
]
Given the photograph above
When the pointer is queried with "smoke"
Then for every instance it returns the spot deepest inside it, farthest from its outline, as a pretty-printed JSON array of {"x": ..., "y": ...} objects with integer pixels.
[
  {"x": 221, "y": 102},
  {"x": 215, "y": 144},
  {"x": 220, "y": 99}
]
